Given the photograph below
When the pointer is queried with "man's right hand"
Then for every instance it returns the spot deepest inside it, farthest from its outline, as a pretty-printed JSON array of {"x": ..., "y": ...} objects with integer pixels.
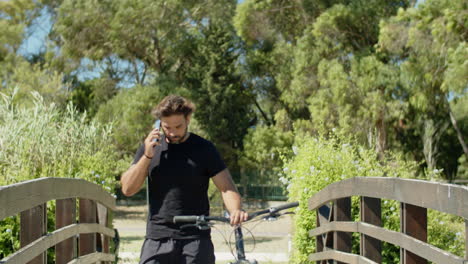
[{"x": 150, "y": 143}]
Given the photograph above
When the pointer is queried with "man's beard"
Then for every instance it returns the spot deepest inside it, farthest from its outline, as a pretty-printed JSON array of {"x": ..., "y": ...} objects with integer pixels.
[{"x": 177, "y": 139}]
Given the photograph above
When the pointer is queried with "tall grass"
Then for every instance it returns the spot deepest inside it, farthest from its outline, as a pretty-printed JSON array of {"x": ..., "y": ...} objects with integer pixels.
[{"x": 46, "y": 141}]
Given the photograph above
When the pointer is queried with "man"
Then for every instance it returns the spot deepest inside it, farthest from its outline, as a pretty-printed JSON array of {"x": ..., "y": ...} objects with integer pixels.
[{"x": 179, "y": 165}]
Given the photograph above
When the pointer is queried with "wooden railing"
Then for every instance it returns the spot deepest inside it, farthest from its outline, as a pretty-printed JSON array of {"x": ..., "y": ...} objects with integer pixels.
[
  {"x": 335, "y": 225},
  {"x": 82, "y": 239}
]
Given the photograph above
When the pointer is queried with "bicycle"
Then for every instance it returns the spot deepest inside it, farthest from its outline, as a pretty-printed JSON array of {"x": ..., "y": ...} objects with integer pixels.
[{"x": 204, "y": 222}]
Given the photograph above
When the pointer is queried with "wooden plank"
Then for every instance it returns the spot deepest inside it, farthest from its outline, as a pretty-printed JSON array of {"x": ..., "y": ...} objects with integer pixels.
[
  {"x": 103, "y": 219},
  {"x": 324, "y": 215},
  {"x": 92, "y": 258},
  {"x": 33, "y": 225},
  {"x": 447, "y": 198},
  {"x": 371, "y": 212},
  {"x": 339, "y": 256},
  {"x": 413, "y": 220},
  {"x": 342, "y": 212},
  {"x": 319, "y": 240},
  {"x": 40, "y": 245},
  {"x": 65, "y": 214},
  {"x": 22, "y": 196},
  {"x": 414, "y": 245},
  {"x": 87, "y": 242}
]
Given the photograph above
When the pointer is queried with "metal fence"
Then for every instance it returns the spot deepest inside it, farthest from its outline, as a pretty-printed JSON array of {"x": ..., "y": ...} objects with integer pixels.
[{"x": 262, "y": 192}]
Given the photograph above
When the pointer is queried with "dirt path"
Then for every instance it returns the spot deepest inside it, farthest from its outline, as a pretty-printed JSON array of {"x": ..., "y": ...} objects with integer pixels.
[{"x": 272, "y": 239}]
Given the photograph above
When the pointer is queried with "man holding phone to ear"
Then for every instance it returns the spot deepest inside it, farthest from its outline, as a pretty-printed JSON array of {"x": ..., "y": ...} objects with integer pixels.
[{"x": 179, "y": 165}]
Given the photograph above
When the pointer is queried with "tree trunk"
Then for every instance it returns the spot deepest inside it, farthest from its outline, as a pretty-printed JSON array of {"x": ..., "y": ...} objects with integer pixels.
[{"x": 459, "y": 133}]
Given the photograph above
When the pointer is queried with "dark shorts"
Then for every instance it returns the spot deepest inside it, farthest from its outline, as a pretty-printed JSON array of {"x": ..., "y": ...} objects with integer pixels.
[{"x": 177, "y": 251}]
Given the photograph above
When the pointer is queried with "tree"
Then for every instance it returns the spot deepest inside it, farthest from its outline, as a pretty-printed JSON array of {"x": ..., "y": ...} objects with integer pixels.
[
  {"x": 430, "y": 44},
  {"x": 224, "y": 105}
]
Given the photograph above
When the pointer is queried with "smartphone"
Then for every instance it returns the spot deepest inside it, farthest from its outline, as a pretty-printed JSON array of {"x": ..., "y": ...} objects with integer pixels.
[{"x": 157, "y": 125}]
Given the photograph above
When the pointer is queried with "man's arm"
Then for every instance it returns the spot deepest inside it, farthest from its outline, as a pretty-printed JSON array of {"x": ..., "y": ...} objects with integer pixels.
[
  {"x": 231, "y": 196},
  {"x": 132, "y": 180},
  {"x": 135, "y": 176}
]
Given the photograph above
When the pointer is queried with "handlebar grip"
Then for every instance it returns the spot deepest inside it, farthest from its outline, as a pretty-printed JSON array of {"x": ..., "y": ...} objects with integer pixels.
[{"x": 185, "y": 219}]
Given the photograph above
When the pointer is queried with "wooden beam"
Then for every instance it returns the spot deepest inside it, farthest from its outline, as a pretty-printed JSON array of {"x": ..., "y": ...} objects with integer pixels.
[
  {"x": 371, "y": 212},
  {"x": 318, "y": 238},
  {"x": 339, "y": 256},
  {"x": 105, "y": 220},
  {"x": 87, "y": 244},
  {"x": 93, "y": 258},
  {"x": 40, "y": 245},
  {"x": 447, "y": 198},
  {"x": 466, "y": 240},
  {"x": 413, "y": 221},
  {"x": 33, "y": 225},
  {"x": 22, "y": 196},
  {"x": 342, "y": 212},
  {"x": 65, "y": 215},
  {"x": 432, "y": 253}
]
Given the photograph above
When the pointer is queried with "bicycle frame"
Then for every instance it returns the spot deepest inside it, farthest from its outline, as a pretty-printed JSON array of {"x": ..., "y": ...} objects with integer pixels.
[{"x": 203, "y": 222}]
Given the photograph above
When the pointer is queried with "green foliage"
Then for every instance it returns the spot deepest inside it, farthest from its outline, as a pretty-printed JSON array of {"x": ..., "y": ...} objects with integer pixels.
[
  {"x": 223, "y": 104},
  {"x": 46, "y": 141},
  {"x": 320, "y": 161},
  {"x": 43, "y": 141},
  {"x": 15, "y": 17},
  {"x": 22, "y": 78},
  {"x": 258, "y": 21},
  {"x": 446, "y": 232},
  {"x": 264, "y": 147},
  {"x": 90, "y": 95},
  {"x": 9, "y": 236},
  {"x": 130, "y": 113}
]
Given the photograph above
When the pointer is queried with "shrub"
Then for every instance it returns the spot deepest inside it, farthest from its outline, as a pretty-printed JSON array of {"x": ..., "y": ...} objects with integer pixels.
[
  {"x": 46, "y": 141},
  {"x": 320, "y": 161}
]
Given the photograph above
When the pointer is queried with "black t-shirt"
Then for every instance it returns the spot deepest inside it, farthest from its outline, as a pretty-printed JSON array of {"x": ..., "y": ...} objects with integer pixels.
[{"x": 178, "y": 185}]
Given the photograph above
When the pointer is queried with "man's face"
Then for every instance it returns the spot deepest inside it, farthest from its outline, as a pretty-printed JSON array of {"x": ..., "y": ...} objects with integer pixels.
[{"x": 175, "y": 127}]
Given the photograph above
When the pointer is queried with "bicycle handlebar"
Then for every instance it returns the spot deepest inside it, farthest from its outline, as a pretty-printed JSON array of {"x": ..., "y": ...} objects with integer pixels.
[
  {"x": 198, "y": 218},
  {"x": 201, "y": 218}
]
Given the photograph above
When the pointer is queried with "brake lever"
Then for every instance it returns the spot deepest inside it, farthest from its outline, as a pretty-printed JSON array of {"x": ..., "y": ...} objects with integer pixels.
[{"x": 274, "y": 216}]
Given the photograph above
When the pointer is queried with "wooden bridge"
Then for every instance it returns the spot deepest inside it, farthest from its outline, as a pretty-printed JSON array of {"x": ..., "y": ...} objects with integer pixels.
[
  {"x": 334, "y": 224},
  {"x": 84, "y": 242},
  {"x": 88, "y": 240}
]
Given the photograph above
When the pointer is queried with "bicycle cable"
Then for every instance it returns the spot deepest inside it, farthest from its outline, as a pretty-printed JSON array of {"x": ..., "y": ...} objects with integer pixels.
[{"x": 231, "y": 245}]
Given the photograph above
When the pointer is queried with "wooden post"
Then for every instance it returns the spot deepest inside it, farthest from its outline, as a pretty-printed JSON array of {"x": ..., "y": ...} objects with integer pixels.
[
  {"x": 324, "y": 216},
  {"x": 371, "y": 212},
  {"x": 87, "y": 215},
  {"x": 466, "y": 240},
  {"x": 318, "y": 239},
  {"x": 65, "y": 214},
  {"x": 342, "y": 212},
  {"x": 413, "y": 223},
  {"x": 33, "y": 225},
  {"x": 103, "y": 218}
]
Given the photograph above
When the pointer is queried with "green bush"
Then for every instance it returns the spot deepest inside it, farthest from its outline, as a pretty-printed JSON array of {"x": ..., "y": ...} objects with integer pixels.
[
  {"x": 46, "y": 141},
  {"x": 261, "y": 158},
  {"x": 320, "y": 161}
]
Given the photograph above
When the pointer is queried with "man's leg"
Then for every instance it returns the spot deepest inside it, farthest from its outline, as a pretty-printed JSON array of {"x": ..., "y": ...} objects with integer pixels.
[
  {"x": 198, "y": 251},
  {"x": 161, "y": 251}
]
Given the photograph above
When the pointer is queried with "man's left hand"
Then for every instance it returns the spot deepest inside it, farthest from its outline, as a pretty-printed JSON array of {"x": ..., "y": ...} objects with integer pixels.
[{"x": 238, "y": 216}]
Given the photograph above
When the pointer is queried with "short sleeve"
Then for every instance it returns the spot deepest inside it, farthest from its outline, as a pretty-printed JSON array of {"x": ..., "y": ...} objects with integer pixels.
[
  {"x": 215, "y": 162},
  {"x": 139, "y": 154}
]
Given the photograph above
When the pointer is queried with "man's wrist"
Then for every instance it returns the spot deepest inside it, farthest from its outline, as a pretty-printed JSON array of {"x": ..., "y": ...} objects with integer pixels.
[{"x": 146, "y": 156}]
